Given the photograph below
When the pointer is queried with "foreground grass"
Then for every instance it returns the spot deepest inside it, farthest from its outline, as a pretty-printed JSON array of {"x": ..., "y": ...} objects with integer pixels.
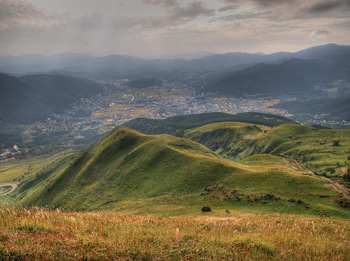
[{"x": 41, "y": 234}]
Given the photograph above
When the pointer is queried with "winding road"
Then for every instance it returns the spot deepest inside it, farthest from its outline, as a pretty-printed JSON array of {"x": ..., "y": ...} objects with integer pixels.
[{"x": 13, "y": 185}]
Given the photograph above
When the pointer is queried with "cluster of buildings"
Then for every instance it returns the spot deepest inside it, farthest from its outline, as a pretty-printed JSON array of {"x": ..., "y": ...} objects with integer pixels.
[
  {"x": 10, "y": 152},
  {"x": 120, "y": 103}
]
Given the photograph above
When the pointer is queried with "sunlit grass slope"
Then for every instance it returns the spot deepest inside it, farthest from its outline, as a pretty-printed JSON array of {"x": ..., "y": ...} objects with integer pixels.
[
  {"x": 325, "y": 152},
  {"x": 40, "y": 234},
  {"x": 136, "y": 173},
  {"x": 222, "y": 137}
]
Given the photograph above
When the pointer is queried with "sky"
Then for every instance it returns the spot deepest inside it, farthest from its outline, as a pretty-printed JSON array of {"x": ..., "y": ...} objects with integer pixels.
[{"x": 152, "y": 28}]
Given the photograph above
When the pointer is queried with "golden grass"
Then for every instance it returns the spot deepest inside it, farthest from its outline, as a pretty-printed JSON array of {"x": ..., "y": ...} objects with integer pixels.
[
  {"x": 228, "y": 125},
  {"x": 41, "y": 234}
]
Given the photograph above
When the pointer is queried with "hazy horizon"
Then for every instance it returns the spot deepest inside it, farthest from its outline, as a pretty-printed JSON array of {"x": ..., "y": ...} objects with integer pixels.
[
  {"x": 156, "y": 28},
  {"x": 186, "y": 56}
]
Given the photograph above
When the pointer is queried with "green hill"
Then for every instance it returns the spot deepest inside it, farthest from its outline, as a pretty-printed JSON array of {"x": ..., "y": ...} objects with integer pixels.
[
  {"x": 132, "y": 172},
  {"x": 177, "y": 125},
  {"x": 324, "y": 152}
]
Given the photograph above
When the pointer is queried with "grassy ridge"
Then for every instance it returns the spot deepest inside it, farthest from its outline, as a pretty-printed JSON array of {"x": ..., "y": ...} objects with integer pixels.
[
  {"x": 177, "y": 125},
  {"x": 324, "y": 152},
  {"x": 40, "y": 234},
  {"x": 135, "y": 173},
  {"x": 221, "y": 137}
]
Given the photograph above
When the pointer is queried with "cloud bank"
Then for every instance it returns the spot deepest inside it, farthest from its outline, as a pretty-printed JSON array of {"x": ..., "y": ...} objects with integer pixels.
[{"x": 154, "y": 27}]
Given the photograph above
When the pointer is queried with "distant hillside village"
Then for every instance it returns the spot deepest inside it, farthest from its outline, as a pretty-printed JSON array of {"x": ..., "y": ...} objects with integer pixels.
[{"x": 13, "y": 151}]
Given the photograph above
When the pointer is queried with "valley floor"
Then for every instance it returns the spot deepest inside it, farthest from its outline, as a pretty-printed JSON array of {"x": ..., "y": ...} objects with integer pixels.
[{"x": 41, "y": 234}]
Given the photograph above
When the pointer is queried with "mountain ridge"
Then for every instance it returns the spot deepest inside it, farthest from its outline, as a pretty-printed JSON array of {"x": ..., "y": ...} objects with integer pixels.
[
  {"x": 289, "y": 76},
  {"x": 122, "y": 65}
]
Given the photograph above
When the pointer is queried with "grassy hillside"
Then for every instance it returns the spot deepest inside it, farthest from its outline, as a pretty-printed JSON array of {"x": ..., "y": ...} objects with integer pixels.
[
  {"x": 40, "y": 234},
  {"x": 221, "y": 137},
  {"x": 177, "y": 125},
  {"x": 136, "y": 173},
  {"x": 325, "y": 152}
]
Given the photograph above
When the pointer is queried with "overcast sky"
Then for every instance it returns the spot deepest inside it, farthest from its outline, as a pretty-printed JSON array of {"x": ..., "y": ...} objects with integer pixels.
[{"x": 157, "y": 27}]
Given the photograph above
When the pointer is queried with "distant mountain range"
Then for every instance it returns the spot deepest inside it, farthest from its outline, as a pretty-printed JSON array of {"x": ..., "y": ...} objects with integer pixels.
[
  {"x": 228, "y": 74},
  {"x": 290, "y": 76},
  {"x": 118, "y": 65},
  {"x": 35, "y": 97},
  {"x": 298, "y": 75}
]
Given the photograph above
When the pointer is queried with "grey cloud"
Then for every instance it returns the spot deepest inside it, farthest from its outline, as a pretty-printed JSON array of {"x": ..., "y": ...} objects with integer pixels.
[
  {"x": 264, "y": 3},
  {"x": 19, "y": 13},
  {"x": 236, "y": 17},
  {"x": 16, "y": 9},
  {"x": 230, "y": 1},
  {"x": 164, "y": 3},
  {"x": 279, "y": 9},
  {"x": 269, "y": 3},
  {"x": 320, "y": 33},
  {"x": 176, "y": 14},
  {"x": 286, "y": 9},
  {"x": 192, "y": 10},
  {"x": 312, "y": 6},
  {"x": 228, "y": 7},
  {"x": 325, "y": 6},
  {"x": 174, "y": 9}
]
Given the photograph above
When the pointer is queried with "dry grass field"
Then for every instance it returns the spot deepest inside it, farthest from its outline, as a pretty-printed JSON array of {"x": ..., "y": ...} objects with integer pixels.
[{"x": 42, "y": 234}]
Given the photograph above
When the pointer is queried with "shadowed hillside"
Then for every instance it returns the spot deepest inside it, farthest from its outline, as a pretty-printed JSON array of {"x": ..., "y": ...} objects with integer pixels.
[
  {"x": 331, "y": 108},
  {"x": 35, "y": 97},
  {"x": 291, "y": 76}
]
